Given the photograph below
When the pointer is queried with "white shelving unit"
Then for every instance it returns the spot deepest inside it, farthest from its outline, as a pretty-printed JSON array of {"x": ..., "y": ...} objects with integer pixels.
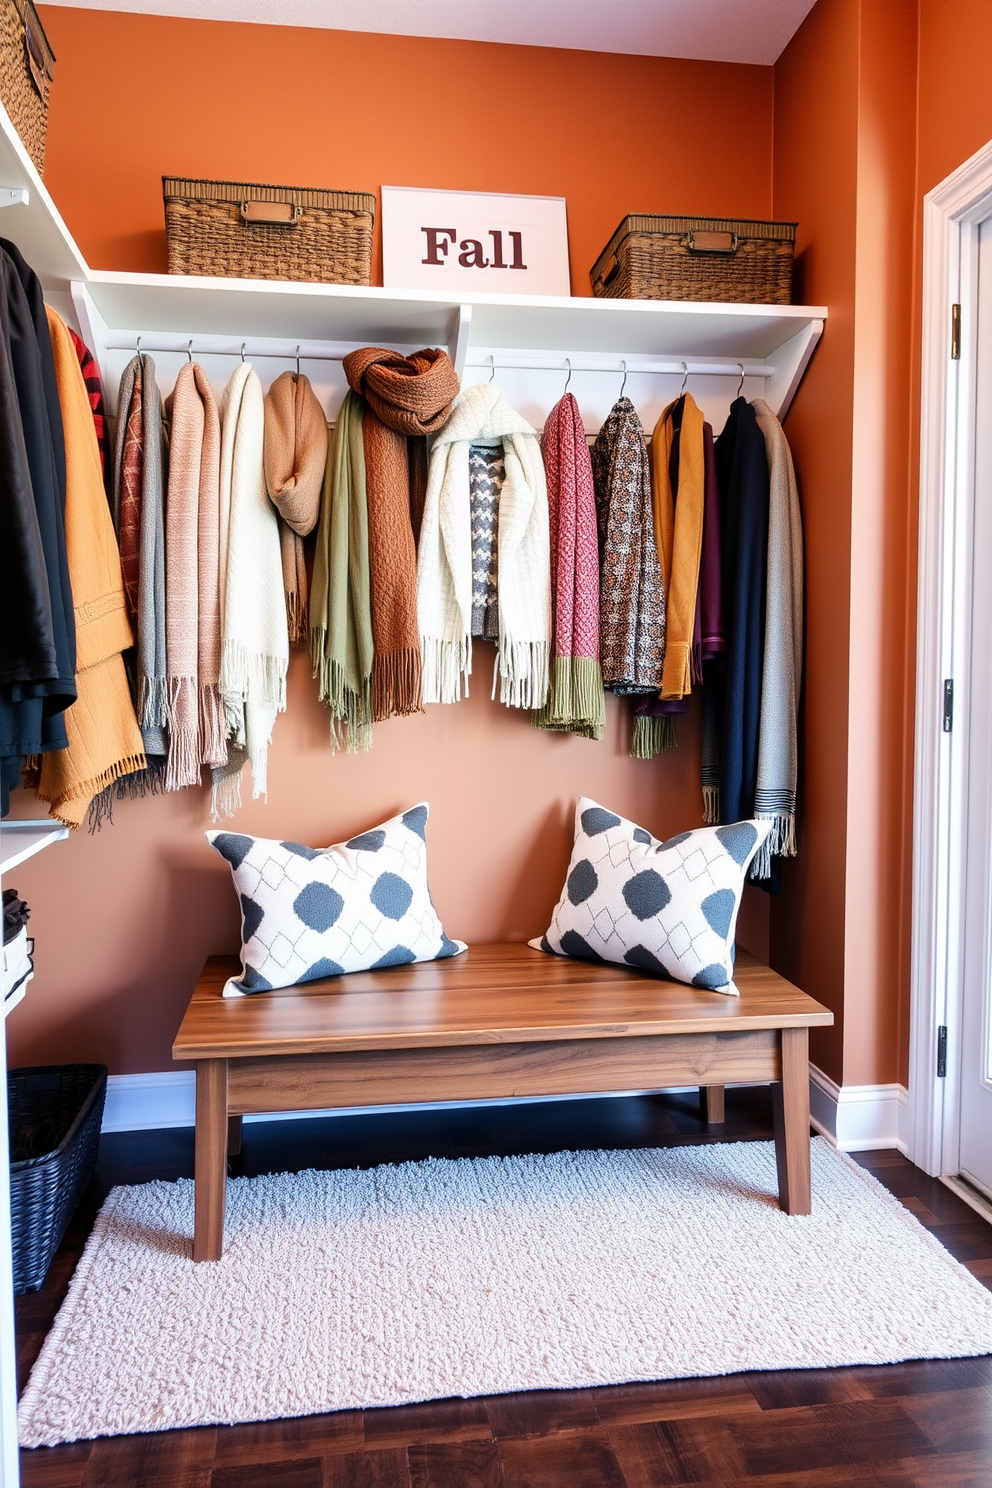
[{"x": 531, "y": 341}]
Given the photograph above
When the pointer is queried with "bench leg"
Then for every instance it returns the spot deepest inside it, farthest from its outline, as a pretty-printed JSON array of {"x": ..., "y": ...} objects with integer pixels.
[
  {"x": 712, "y": 1104},
  {"x": 790, "y": 1099},
  {"x": 211, "y": 1159},
  {"x": 234, "y": 1135}
]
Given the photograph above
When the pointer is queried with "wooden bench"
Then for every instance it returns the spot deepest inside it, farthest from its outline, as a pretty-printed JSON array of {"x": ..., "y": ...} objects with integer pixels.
[{"x": 498, "y": 1021}]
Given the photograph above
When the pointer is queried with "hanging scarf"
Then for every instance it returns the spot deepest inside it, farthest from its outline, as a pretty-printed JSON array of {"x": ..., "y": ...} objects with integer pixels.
[
  {"x": 781, "y": 673},
  {"x": 407, "y": 398},
  {"x": 295, "y": 459},
  {"x": 138, "y": 495},
  {"x": 103, "y": 739},
  {"x": 94, "y": 393},
  {"x": 576, "y": 700},
  {"x": 486, "y": 478},
  {"x": 254, "y": 633},
  {"x": 632, "y": 592},
  {"x": 444, "y": 578},
  {"x": 340, "y": 604},
  {"x": 195, "y": 713},
  {"x": 742, "y": 470},
  {"x": 679, "y": 469}
]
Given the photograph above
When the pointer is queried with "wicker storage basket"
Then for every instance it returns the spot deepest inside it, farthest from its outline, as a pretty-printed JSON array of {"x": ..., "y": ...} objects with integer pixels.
[
  {"x": 27, "y": 63},
  {"x": 55, "y": 1112},
  {"x": 243, "y": 231},
  {"x": 697, "y": 258}
]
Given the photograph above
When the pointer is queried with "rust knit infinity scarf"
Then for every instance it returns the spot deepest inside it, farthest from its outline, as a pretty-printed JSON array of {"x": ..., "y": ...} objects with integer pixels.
[{"x": 407, "y": 398}]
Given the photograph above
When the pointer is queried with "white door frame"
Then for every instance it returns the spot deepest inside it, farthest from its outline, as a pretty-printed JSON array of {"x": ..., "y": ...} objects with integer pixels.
[{"x": 951, "y": 215}]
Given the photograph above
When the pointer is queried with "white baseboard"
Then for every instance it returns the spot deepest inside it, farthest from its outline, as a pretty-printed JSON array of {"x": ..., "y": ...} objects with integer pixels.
[
  {"x": 853, "y": 1118},
  {"x": 856, "y": 1118}
]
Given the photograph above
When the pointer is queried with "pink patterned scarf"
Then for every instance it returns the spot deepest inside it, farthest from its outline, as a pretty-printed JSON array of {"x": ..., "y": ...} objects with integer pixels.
[{"x": 576, "y": 700}]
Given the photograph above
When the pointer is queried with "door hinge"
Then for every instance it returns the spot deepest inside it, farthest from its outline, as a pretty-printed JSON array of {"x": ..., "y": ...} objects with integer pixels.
[
  {"x": 948, "y": 704},
  {"x": 955, "y": 333},
  {"x": 942, "y": 1052}
]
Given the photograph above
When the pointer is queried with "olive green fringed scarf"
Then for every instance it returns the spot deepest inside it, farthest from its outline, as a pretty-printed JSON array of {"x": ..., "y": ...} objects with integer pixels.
[{"x": 340, "y": 596}]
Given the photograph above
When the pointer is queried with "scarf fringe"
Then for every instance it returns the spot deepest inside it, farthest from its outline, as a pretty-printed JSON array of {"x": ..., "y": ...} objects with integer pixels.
[
  {"x": 522, "y": 673},
  {"x": 150, "y": 782},
  {"x": 152, "y": 703},
  {"x": 780, "y": 842},
  {"x": 397, "y": 684},
  {"x": 213, "y": 725},
  {"x": 447, "y": 666},
  {"x": 296, "y": 618},
  {"x": 351, "y": 711},
  {"x": 653, "y": 736},
  {"x": 132, "y": 764},
  {"x": 183, "y": 767},
  {"x": 576, "y": 700},
  {"x": 251, "y": 674},
  {"x": 711, "y": 805},
  {"x": 225, "y": 794}
]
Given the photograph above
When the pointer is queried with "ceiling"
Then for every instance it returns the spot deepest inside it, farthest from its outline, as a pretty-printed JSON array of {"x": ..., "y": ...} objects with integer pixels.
[{"x": 753, "y": 31}]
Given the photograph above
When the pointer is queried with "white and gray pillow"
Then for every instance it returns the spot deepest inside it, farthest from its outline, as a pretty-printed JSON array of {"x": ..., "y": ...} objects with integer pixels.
[
  {"x": 312, "y": 912},
  {"x": 668, "y": 908}
]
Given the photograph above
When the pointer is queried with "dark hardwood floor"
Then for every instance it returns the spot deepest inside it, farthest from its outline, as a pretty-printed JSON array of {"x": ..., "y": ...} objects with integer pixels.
[{"x": 917, "y": 1425}]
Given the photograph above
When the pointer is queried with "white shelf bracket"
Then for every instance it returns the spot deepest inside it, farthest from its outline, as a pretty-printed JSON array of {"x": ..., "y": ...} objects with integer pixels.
[
  {"x": 790, "y": 361},
  {"x": 458, "y": 340},
  {"x": 93, "y": 329},
  {"x": 14, "y": 196}
]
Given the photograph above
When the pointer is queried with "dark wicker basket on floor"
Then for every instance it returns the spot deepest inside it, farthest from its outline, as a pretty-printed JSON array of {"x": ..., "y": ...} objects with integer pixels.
[
  {"x": 242, "y": 230},
  {"x": 55, "y": 1113},
  {"x": 27, "y": 63},
  {"x": 697, "y": 258}
]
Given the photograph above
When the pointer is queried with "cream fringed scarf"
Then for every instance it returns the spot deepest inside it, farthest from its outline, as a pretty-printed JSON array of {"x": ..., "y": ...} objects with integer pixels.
[
  {"x": 781, "y": 672},
  {"x": 295, "y": 458},
  {"x": 197, "y": 734},
  {"x": 340, "y": 605},
  {"x": 254, "y": 634},
  {"x": 444, "y": 575}
]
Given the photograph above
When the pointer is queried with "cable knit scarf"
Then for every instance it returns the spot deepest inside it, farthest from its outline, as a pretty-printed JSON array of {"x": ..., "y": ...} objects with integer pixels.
[
  {"x": 103, "y": 739},
  {"x": 254, "y": 633},
  {"x": 340, "y": 605},
  {"x": 775, "y": 794},
  {"x": 295, "y": 458},
  {"x": 576, "y": 700},
  {"x": 197, "y": 734},
  {"x": 407, "y": 398},
  {"x": 632, "y": 593},
  {"x": 444, "y": 576}
]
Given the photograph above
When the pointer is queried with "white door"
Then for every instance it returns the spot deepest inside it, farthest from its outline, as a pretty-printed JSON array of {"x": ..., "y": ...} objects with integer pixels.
[{"x": 975, "y": 1156}]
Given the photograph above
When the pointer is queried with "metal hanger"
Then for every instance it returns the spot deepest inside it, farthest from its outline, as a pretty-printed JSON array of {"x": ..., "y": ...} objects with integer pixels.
[
  {"x": 242, "y": 351},
  {"x": 740, "y": 385},
  {"x": 568, "y": 364},
  {"x": 189, "y": 349},
  {"x": 297, "y": 362},
  {"x": 492, "y": 366},
  {"x": 624, "y": 383},
  {"x": 137, "y": 346},
  {"x": 685, "y": 378}
]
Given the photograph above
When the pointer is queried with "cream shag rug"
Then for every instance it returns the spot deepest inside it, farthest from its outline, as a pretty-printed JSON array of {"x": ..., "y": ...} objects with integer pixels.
[{"x": 479, "y": 1276}]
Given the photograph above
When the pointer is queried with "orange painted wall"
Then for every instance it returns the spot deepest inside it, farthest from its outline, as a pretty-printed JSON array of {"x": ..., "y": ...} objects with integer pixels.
[
  {"x": 140, "y": 96},
  {"x": 815, "y": 182},
  {"x": 124, "y": 920}
]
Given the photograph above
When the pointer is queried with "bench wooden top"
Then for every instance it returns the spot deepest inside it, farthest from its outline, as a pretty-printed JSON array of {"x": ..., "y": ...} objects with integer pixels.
[{"x": 504, "y": 993}]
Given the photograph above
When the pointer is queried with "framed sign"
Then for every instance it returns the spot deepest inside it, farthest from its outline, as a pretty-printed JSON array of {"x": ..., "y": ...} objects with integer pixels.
[{"x": 473, "y": 240}]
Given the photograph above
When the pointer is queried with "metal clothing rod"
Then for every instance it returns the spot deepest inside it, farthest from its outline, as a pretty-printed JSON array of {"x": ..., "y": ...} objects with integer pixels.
[
  {"x": 220, "y": 346},
  {"x": 669, "y": 366}
]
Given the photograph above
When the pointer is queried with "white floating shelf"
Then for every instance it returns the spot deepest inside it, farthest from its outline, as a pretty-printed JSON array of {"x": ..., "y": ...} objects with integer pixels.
[{"x": 20, "y": 840}]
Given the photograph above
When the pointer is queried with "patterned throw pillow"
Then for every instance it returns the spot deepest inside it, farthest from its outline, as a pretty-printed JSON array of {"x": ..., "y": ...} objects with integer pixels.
[
  {"x": 310, "y": 912},
  {"x": 669, "y": 908}
]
